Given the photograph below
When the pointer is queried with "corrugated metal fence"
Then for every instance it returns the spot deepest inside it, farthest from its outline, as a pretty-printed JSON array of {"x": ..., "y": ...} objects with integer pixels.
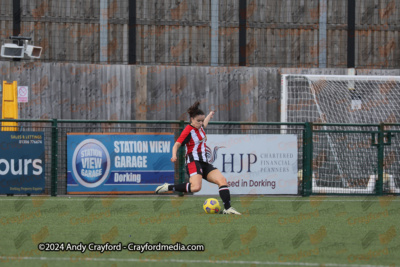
[
  {"x": 276, "y": 33},
  {"x": 122, "y": 92}
]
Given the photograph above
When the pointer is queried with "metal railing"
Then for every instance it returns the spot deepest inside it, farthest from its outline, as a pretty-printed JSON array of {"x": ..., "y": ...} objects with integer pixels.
[{"x": 332, "y": 158}]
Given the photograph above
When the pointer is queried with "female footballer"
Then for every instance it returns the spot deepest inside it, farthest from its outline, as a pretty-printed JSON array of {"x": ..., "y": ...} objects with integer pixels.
[{"x": 197, "y": 166}]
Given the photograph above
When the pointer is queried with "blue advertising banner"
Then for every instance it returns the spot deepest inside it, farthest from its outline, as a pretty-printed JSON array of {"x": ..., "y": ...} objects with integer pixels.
[
  {"x": 22, "y": 163},
  {"x": 118, "y": 163}
]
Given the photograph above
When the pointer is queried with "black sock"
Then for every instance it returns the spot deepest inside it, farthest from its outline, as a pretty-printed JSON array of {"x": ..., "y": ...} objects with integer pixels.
[
  {"x": 185, "y": 187},
  {"x": 225, "y": 196}
]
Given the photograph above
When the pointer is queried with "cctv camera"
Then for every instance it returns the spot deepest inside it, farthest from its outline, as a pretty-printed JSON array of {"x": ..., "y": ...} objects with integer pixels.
[
  {"x": 12, "y": 51},
  {"x": 33, "y": 51}
]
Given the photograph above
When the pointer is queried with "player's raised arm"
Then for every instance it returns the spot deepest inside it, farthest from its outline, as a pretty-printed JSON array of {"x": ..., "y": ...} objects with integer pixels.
[{"x": 208, "y": 118}]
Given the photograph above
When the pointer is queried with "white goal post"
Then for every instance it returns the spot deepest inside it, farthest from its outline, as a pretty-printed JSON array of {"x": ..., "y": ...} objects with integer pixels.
[{"x": 345, "y": 162}]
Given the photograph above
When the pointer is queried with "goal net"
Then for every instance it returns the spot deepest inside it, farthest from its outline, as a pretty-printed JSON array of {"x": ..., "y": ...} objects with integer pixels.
[{"x": 344, "y": 157}]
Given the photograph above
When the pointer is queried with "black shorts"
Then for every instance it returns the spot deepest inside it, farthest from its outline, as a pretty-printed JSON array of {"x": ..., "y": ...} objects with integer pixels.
[{"x": 199, "y": 167}]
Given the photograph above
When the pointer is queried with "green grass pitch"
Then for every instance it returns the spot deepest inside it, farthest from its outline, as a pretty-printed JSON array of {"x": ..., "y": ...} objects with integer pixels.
[{"x": 273, "y": 231}]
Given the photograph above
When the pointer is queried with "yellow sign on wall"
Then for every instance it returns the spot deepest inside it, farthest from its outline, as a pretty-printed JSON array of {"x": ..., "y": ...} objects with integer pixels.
[{"x": 10, "y": 105}]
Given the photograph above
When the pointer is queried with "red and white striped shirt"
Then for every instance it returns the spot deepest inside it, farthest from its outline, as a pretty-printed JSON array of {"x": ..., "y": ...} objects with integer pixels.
[{"x": 195, "y": 141}]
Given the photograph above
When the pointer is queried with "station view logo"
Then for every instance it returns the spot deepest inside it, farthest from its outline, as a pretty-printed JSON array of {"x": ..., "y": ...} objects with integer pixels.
[{"x": 91, "y": 163}]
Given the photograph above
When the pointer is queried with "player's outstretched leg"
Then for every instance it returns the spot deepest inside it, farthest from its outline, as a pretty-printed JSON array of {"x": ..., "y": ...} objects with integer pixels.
[
  {"x": 162, "y": 188},
  {"x": 184, "y": 187}
]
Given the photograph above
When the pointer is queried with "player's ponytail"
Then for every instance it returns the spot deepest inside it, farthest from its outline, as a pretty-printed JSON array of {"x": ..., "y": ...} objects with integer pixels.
[{"x": 194, "y": 110}]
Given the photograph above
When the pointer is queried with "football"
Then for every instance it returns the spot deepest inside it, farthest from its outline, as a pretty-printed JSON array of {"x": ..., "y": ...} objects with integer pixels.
[{"x": 211, "y": 206}]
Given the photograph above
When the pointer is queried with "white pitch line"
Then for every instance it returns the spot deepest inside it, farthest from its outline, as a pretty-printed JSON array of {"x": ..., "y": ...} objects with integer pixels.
[{"x": 188, "y": 261}]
